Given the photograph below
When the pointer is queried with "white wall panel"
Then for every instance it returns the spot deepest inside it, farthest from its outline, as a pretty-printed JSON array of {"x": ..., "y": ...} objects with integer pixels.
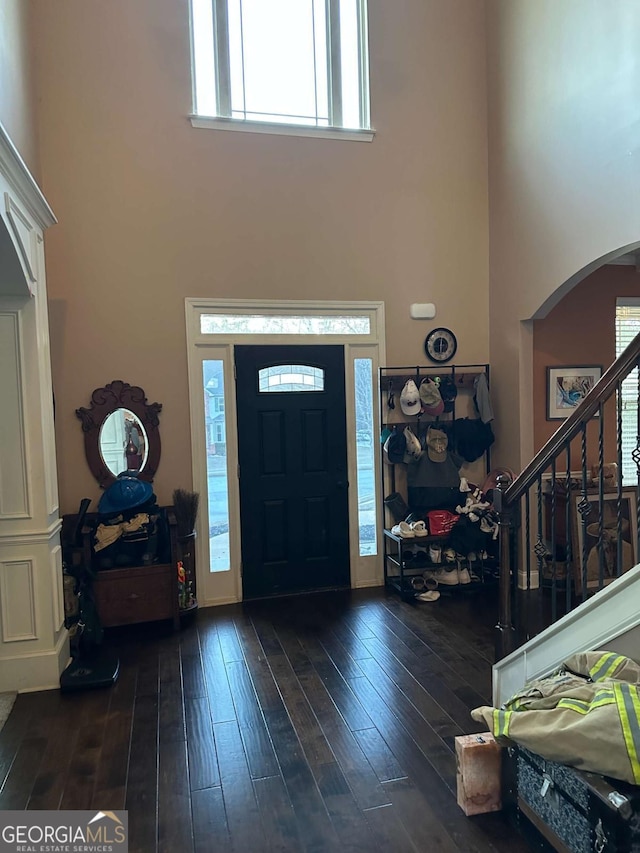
[
  {"x": 34, "y": 646},
  {"x": 57, "y": 598},
  {"x": 17, "y": 601},
  {"x": 14, "y": 493}
]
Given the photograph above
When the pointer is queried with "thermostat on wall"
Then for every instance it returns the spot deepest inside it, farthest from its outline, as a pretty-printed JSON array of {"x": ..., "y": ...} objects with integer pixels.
[{"x": 423, "y": 310}]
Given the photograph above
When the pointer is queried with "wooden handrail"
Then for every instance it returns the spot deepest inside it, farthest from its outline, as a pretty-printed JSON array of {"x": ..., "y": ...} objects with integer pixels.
[{"x": 600, "y": 392}]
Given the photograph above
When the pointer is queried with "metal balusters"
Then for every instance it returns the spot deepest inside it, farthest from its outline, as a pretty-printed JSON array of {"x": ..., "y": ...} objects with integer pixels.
[
  {"x": 504, "y": 639},
  {"x": 540, "y": 549},
  {"x": 584, "y": 508},
  {"x": 554, "y": 565},
  {"x": 585, "y": 547},
  {"x": 527, "y": 537},
  {"x": 515, "y": 524},
  {"x": 619, "y": 478},
  {"x": 568, "y": 557},
  {"x": 601, "y": 541}
]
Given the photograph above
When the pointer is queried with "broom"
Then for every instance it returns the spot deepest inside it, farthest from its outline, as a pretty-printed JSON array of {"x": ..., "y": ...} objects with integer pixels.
[{"x": 185, "y": 507}]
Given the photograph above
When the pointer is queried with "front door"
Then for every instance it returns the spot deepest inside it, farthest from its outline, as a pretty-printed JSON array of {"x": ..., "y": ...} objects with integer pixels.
[{"x": 293, "y": 468}]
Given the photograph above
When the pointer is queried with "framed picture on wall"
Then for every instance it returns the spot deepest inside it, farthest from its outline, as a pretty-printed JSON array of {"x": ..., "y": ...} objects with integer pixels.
[
  {"x": 604, "y": 519},
  {"x": 567, "y": 387}
]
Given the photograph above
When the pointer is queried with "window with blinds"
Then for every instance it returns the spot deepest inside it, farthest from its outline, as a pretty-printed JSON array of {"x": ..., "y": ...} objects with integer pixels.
[{"x": 627, "y": 327}]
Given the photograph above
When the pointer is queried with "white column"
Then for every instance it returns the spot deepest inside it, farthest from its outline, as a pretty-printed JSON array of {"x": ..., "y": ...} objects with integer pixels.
[{"x": 33, "y": 640}]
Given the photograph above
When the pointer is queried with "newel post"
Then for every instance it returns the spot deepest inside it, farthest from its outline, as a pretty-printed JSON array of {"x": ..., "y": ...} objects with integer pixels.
[{"x": 505, "y": 630}]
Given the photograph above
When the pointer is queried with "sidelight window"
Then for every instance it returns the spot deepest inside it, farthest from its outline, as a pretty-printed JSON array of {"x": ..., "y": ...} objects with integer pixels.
[
  {"x": 363, "y": 386},
  {"x": 216, "y": 456}
]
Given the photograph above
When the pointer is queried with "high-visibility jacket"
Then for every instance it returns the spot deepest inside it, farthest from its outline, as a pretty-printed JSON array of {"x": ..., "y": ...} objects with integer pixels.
[{"x": 586, "y": 715}]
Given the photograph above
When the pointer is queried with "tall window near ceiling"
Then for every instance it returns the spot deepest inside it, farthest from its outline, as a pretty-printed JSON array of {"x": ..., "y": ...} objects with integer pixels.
[
  {"x": 284, "y": 62},
  {"x": 627, "y": 327}
]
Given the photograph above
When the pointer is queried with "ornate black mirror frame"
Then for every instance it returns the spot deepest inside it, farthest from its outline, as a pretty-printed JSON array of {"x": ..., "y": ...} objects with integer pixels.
[{"x": 105, "y": 401}]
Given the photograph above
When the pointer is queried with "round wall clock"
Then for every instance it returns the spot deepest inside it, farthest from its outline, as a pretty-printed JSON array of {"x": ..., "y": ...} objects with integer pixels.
[{"x": 440, "y": 345}]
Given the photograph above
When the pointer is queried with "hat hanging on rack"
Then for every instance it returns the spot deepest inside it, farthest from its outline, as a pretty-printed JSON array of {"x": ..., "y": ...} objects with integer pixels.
[
  {"x": 410, "y": 398},
  {"x": 437, "y": 442},
  {"x": 431, "y": 398},
  {"x": 448, "y": 392},
  {"x": 396, "y": 446}
]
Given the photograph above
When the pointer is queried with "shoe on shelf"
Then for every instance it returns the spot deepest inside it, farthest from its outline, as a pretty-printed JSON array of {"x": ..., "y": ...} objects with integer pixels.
[
  {"x": 419, "y": 528},
  {"x": 429, "y": 595},
  {"x": 429, "y": 581},
  {"x": 464, "y": 576},
  {"x": 414, "y": 560},
  {"x": 403, "y": 530},
  {"x": 444, "y": 577},
  {"x": 435, "y": 553}
]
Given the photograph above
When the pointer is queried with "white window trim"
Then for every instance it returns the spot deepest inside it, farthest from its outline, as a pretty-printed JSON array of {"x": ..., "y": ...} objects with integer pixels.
[
  {"x": 223, "y": 119},
  {"x": 226, "y": 587},
  {"x": 220, "y": 123}
]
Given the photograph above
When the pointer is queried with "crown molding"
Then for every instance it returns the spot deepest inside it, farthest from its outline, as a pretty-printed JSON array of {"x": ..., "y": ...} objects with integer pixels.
[{"x": 14, "y": 169}]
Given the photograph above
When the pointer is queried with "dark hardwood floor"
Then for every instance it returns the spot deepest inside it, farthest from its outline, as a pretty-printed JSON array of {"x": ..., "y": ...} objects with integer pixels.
[{"x": 316, "y": 723}]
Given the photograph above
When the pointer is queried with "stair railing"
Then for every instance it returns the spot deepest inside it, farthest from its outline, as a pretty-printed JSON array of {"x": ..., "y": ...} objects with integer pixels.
[{"x": 566, "y": 533}]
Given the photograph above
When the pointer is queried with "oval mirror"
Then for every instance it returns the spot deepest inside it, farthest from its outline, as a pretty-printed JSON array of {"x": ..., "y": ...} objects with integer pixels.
[
  {"x": 123, "y": 442},
  {"x": 121, "y": 432}
]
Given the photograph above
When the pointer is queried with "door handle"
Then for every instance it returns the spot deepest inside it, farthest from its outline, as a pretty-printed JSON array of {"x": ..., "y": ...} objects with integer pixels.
[{"x": 342, "y": 484}]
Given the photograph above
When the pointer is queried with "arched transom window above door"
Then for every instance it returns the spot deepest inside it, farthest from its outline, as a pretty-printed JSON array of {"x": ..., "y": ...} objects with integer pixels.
[{"x": 290, "y": 377}]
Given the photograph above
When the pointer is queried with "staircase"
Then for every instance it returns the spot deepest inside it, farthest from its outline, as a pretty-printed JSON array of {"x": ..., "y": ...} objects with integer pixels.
[{"x": 569, "y": 539}]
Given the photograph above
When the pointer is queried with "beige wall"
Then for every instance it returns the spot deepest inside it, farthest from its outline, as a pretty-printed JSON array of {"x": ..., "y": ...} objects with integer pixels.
[
  {"x": 564, "y": 167},
  {"x": 152, "y": 210},
  {"x": 580, "y": 329},
  {"x": 16, "y": 90}
]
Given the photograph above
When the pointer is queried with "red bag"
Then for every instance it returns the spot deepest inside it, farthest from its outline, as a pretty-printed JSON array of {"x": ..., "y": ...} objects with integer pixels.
[{"x": 441, "y": 521}]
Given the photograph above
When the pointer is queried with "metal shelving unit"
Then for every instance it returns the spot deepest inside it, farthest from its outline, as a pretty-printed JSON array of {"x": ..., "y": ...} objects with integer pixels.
[{"x": 397, "y": 573}]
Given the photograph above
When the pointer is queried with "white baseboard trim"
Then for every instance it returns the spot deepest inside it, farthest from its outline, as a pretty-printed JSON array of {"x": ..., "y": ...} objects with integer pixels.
[
  {"x": 36, "y": 670},
  {"x": 365, "y": 583},
  {"x": 218, "y": 602},
  {"x": 534, "y": 579}
]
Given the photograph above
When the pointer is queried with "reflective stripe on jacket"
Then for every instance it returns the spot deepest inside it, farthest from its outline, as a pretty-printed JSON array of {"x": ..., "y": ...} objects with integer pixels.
[{"x": 581, "y": 716}]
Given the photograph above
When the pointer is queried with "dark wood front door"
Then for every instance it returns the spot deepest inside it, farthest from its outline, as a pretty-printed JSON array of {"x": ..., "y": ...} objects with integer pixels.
[{"x": 293, "y": 468}]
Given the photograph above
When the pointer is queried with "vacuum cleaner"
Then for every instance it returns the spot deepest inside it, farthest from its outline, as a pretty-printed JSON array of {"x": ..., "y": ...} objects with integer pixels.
[{"x": 91, "y": 665}]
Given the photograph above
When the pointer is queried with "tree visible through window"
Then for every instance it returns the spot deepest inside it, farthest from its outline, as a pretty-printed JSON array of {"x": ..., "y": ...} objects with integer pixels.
[{"x": 296, "y": 62}]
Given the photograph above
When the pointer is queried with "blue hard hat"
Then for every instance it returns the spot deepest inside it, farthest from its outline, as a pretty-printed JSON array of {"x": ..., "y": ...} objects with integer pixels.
[{"x": 127, "y": 492}]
